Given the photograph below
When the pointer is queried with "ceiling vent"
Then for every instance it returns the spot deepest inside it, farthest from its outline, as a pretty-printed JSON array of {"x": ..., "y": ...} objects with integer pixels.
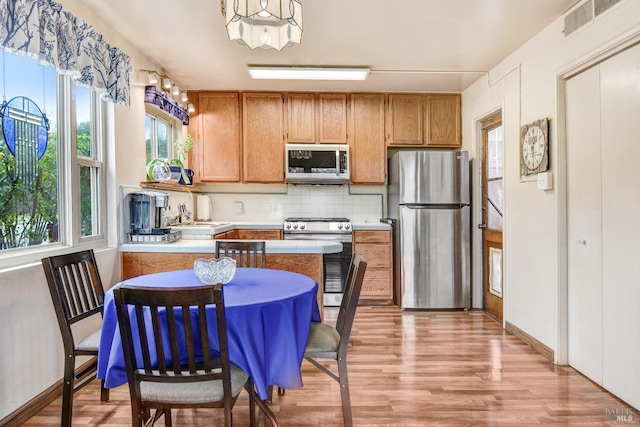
[
  {"x": 601, "y": 5},
  {"x": 578, "y": 17},
  {"x": 585, "y": 14}
]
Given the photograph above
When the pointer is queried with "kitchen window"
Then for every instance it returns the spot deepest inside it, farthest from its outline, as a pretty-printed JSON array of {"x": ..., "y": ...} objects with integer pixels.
[
  {"x": 161, "y": 130},
  {"x": 52, "y": 183}
]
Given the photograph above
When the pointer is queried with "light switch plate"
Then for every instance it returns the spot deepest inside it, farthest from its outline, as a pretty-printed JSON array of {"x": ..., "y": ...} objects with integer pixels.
[
  {"x": 237, "y": 207},
  {"x": 545, "y": 181}
]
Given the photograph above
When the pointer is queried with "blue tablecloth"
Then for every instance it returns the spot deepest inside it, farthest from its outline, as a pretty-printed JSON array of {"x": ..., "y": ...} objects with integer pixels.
[{"x": 268, "y": 318}]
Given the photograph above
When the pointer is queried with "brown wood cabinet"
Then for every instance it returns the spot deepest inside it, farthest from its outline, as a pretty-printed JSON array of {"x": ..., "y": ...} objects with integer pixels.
[
  {"x": 366, "y": 139},
  {"x": 263, "y": 137},
  {"x": 376, "y": 247},
  {"x": 405, "y": 118},
  {"x": 216, "y": 133},
  {"x": 248, "y": 146},
  {"x": 231, "y": 234},
  {"x": 138, "y": 263},
  {"x": 252, "y": 234},
  {"x": 301, "y": 117},
  {"x": 424, "y": 120},
  {"x": 332, "y": 118},
  {"x": 443, "y": 121},
  {"x": 315, "y": 118}
]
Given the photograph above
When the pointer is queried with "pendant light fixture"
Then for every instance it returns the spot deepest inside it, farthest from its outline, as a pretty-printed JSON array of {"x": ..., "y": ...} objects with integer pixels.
[{"x": 267, "y": 24}]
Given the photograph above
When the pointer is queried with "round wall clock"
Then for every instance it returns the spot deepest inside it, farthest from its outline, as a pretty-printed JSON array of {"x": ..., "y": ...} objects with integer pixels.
[{"x": 534, "y": 147}]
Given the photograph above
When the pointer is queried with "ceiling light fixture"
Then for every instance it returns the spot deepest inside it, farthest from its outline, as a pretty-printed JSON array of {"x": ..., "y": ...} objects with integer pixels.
[
  {"x": 267, "y": 24},
  {"x": 183, "y": 96},
  {"x": 191, "y": 108},
  {"x": 308, "y": 73},
  {"x": 166, "y": 83},
  {"x": 175, "y": 90}
]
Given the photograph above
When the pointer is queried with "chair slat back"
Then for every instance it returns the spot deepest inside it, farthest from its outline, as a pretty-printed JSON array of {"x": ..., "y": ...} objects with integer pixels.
[
  {"x": 172, "y": 331},
  {"x": 246, "y": 253},
  {"x": 351, "y": 295},
  {"x": 75, "y": 285}
]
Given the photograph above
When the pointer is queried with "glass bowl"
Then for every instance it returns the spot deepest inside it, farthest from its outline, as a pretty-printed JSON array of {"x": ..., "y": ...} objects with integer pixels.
[{"x": 214, "y": 270}]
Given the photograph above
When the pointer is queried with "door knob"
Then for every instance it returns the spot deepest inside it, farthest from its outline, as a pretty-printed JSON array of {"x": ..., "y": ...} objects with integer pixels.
[
  {"x": 482, "y": 226},
  {"x": 582, "y": 242}
]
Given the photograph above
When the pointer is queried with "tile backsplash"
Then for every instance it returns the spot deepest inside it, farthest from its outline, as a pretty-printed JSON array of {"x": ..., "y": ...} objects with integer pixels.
[{"x": 359, "y": 204}]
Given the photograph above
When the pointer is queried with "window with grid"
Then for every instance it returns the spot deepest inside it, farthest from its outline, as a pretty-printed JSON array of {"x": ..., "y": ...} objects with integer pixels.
[{"x": 52, "y": 175}]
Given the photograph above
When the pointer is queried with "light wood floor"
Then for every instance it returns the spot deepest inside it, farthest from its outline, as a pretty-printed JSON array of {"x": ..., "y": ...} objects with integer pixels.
[{"x": 410, "y": 369}]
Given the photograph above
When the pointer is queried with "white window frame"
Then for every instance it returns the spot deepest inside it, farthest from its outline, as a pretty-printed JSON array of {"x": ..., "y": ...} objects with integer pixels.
[
  {"x": 176, "y": 130},
  {"x": 69, "y": 233}
]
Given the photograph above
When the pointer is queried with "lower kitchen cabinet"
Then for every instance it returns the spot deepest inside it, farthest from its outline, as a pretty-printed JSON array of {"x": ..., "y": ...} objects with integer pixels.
[
  {"x": 233, "y": 234},
  {"x": 376, "y": 247},
  {"x": 250, "y": 234},
  {"x": 135, "y": 264}
]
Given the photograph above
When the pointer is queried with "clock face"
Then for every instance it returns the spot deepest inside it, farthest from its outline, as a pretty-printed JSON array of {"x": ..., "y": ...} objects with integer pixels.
[{"x": 533, "y": 147}]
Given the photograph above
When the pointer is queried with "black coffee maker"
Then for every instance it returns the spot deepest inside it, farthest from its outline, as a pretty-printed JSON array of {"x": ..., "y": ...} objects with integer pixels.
[{"x": 146, "y": 211}]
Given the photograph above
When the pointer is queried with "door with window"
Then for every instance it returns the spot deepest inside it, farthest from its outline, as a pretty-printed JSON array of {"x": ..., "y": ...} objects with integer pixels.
[{"x": 492, "y": 214}]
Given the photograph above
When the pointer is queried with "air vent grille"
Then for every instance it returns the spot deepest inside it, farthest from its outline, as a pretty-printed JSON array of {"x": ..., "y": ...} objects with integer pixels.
[
  {"x": 586, "y": 13},
  {"x": 578, "y": 17},
  {"x": 603, "y": 5}
]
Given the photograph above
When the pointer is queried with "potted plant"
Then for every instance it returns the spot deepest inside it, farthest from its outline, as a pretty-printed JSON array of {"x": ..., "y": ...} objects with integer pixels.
[
  {"x": 182, "y": 149},
  {"x": 163, "y": 170}
]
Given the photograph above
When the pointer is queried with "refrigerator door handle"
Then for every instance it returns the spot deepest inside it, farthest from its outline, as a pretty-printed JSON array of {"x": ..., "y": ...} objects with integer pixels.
[{"x": 435, "y": 206}]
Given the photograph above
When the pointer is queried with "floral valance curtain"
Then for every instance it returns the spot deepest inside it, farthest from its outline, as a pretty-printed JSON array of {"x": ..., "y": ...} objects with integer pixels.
[{"x": 42, "y": 30}]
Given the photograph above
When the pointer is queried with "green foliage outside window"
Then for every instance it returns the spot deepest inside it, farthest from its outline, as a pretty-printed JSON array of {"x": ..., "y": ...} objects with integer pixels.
[{"x": 29, "y": 212}]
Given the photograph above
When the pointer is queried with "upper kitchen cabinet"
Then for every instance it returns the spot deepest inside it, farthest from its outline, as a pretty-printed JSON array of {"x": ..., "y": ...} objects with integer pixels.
[
  {"x": 301, "y": 114},
  {"x": 332, "y": 118},
  {"x": 405, "y": 119},
  {"x": 443, "y": 121},
  {"x": 263, "y": 137},
  {"x": 424, "y": 120},
  {"x": 366, "y": 139},
  {"x": 216, "y": 133},
  {"x": 313, "y": 118}
]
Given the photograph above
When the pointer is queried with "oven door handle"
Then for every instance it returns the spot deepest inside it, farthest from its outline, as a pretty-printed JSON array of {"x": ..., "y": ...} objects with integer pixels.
[{"x": 341, "y": 238}]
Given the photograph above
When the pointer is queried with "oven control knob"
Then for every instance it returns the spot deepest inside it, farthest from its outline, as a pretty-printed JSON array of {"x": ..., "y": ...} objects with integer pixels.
[
  {"x": 339, "y": 226},
  {"x": 302, "y": 226},
  {"x": 295, "y": 226},
  {"x": 347, "y": 226},
  {"x": 287, "y": 226}
]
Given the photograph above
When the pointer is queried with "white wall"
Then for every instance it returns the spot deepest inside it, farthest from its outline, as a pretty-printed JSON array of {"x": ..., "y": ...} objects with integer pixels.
[
  {"x": 525, "y": 85},
  {"x": 31, "y": 352}
]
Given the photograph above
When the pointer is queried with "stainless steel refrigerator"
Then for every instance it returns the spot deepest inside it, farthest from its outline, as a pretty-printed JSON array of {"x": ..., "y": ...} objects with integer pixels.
[{"x": 428, "y": 197}]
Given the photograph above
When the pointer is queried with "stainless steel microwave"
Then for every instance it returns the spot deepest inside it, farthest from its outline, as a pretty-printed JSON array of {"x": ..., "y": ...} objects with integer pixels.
[{"x": 317, "y": 163}]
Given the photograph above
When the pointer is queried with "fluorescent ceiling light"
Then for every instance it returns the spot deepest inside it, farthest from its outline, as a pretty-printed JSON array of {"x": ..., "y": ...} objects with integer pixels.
[{"x": 308, "y": 73}]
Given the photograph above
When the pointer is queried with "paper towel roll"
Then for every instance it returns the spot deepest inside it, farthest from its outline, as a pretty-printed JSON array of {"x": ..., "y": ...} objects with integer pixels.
[{"x": 203, "y": 208}]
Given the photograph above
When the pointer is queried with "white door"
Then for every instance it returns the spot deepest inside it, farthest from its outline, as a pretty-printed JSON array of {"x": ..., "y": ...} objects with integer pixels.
[
  {"x": 584, "y": 201},
  {"x": 603, "y": 177},
  {"x": 620, "y": 98}
]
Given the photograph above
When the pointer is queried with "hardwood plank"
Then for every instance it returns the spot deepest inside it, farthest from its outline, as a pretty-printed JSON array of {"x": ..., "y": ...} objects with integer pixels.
[{"x": 410, "y": 369}]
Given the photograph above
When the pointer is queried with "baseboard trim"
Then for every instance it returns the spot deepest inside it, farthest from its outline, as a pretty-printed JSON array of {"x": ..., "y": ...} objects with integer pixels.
[
  {"x": 38, "y": 403},
  {"x": 545, "y": 351},
  {"x": 32, "y": 407}
]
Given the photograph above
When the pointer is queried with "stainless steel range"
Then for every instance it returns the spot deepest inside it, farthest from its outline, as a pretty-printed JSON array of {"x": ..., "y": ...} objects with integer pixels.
[{"x": 336, "y": 265}]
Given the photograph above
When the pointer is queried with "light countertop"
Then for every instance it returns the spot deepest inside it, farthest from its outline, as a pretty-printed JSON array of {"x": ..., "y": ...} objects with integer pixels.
[{"x": 208, "y": 246}]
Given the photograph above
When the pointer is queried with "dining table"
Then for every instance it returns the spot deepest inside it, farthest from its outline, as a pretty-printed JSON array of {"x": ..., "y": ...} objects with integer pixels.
[{"x": 269, "y": 313}]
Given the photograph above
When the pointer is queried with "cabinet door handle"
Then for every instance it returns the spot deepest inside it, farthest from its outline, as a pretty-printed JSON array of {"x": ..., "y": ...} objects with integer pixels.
[
  {"x": 482, "y": 226},
  {"x": 582, "y": 242}
]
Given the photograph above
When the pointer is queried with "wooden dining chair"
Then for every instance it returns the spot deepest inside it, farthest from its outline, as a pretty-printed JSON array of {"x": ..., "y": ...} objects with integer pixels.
[
  {"x": 174, "y": 366},
  {"x": 77, "y": 293},
  {"x": 246, "y": 253},
  {"x": 328, "y": 342}
]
